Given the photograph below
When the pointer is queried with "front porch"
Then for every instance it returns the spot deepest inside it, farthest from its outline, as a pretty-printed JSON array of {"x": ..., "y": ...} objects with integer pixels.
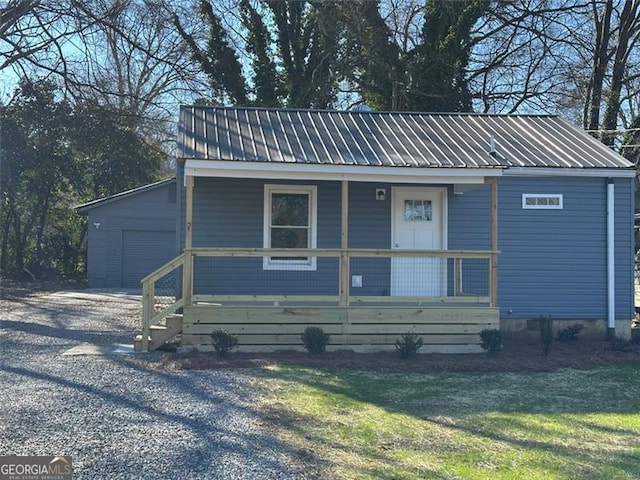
[
  {"x": 449, "y": 320},
  {"x": 364, "y": 298}
]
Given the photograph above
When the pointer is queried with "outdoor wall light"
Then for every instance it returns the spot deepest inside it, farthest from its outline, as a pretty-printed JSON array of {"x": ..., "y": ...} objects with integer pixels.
[
  {"x": 97, "y": 225},
  {"x": 381, "y": 194}
]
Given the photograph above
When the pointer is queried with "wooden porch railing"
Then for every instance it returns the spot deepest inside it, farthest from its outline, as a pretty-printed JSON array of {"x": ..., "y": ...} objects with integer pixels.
[
  {"x": 155, "y": 307},
  {"x": 154, "y": 311},
  {"x": 343, "y": 256}
]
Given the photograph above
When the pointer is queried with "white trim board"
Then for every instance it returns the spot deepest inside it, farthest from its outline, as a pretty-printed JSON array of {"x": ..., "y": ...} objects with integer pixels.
[
  {"x": 362, "y": 173},
  {"x": 570, "y": 172},
  {"x": 354, "y": 173}
]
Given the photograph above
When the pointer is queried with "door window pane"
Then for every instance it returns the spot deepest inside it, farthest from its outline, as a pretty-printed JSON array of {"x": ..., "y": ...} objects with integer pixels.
[{"x": 417, "y": 210}]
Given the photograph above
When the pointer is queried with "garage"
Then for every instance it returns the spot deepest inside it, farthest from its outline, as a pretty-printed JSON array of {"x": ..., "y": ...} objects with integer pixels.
[
  {"x": 143, "y": 251},
  {"x": 130, "y": 235}
]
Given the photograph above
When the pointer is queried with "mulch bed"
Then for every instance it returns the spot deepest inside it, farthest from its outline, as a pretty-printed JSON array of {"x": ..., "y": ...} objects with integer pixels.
[{"x": 516, "y": 357}]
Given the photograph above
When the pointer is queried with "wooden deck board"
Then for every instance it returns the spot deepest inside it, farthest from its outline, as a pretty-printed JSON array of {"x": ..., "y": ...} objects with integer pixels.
[{"x": 452, "y": 329}]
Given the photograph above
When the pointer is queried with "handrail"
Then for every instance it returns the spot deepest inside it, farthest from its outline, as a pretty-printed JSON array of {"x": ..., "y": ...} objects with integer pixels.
[
  {"x": 149, "y": 317},
  {"x": 456, "y": 255},
  {"x": 336, "y": 252},
  {"x": 164, "y": 269}
]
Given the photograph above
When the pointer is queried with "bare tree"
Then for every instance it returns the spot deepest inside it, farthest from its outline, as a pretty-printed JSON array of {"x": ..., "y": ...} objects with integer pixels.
[{"x": 143, "y": 75}]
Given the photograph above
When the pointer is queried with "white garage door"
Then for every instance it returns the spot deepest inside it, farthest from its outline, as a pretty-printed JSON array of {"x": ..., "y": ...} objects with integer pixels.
[{"x": 143, "y": 251}]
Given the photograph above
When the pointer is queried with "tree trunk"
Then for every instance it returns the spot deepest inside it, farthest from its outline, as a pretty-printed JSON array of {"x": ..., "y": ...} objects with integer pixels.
[
  {"x": 627, "y": 29},
  {"x": 4, "y": 254},
  {"x": 42, "y": 224},
  {"x": 600, "y": 61}
]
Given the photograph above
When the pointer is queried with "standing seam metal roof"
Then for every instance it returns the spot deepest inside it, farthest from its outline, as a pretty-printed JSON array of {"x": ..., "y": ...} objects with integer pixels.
[{"x": 394, "y": 139}]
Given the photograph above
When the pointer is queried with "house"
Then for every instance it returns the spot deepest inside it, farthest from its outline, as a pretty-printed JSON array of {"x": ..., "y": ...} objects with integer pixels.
[
  {"x": 374, "y": 224},
  {"x": 121, "y": 228}
]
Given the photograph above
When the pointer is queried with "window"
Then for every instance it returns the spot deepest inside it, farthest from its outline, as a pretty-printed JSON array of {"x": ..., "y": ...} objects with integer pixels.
[
  {"x": 289, "y": 222},
  {"x": 542, "y": 201}
]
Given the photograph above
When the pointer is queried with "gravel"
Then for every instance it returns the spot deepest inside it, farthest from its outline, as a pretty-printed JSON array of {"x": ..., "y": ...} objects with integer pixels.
[{"x": 116, "y": 416}]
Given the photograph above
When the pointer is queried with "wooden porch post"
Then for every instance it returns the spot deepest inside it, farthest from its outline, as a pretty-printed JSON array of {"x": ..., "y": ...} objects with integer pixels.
[
  {"x": 344, "y": 245},
  {"x": 493, "y": 267},
  {"x": 187, "y": 269}
]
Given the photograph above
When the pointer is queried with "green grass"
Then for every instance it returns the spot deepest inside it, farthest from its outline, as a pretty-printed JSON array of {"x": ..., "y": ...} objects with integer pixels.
[{"x": 561, "y": 425}]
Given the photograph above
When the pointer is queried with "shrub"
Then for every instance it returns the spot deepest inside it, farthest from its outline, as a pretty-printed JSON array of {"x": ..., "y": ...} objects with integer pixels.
[
  {"x": 546, "y": 332},
  {"x": 408, "y": 345},
  {"x": 570, "y": 333},
  {"x": 224, "y": 342},
  {"x": 315, "y": 340},
  {"x": 491, "y": 340}
]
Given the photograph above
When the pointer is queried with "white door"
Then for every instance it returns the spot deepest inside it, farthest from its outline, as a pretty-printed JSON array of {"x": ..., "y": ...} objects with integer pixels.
[{"x": 418, "y": 222}]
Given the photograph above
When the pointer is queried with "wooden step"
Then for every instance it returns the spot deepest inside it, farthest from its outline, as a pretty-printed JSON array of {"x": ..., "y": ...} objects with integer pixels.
[
  {"x": 161, "y": 333},
  {"x": 174, "y": 321}
]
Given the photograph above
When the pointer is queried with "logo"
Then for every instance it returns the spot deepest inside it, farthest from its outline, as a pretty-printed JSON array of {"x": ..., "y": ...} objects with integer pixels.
[{"x": 36, "y": 468}]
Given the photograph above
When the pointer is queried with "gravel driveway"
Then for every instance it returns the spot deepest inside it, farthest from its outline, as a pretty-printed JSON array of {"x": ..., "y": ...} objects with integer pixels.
[{"x": 116, "y": 417}]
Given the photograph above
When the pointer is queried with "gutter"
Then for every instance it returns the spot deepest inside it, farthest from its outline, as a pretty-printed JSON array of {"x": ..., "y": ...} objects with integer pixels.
[{"x": 611, "y": 250}]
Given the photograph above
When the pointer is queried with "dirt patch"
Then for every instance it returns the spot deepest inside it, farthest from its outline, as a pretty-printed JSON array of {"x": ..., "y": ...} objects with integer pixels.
[{"x": 516, "y": 357}]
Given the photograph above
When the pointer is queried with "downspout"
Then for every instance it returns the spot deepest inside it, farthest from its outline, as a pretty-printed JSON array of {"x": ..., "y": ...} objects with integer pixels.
[{"x": 611, "y": 250}]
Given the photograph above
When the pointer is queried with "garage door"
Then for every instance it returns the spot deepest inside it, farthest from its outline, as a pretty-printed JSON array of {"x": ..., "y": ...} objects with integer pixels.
[{"x": 143, "y": 251}]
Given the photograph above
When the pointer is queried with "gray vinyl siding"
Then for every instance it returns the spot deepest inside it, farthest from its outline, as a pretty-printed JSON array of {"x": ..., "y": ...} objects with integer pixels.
[
  {"x": 148, "y": 211},
  {"x": 143, "y": 251},
  {"x": 554, "y": 261}
]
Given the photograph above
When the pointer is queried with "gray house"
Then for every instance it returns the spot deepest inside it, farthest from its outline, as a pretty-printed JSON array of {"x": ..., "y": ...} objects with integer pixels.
[
  {"x": 372, "y": 224},
  {"x": 130, "y": 235}
]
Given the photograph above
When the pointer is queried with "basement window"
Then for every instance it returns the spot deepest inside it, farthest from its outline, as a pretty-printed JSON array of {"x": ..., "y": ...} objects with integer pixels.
[
  {"x": 543, "y": 201},
  {"x": 289, "y": 222}
]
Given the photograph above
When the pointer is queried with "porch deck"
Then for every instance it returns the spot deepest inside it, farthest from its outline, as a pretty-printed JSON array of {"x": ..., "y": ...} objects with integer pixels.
[
  {"x": 365, "y": 325},
  {"x": 448, "y": 323}
]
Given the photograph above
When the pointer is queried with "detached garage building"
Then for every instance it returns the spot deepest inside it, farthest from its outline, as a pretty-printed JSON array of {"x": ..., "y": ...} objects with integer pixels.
[{"x": 130, "y": 235}]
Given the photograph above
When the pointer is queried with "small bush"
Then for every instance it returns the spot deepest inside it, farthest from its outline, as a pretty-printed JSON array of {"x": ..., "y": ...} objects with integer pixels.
[
  {"x": 546, "y": 332},
  {"x": 224, "y": 342},
  {"x": 408, "y": 345},
  {"x": 570, "y": 333},
  {"x": 491, "y": 340},
  {"x": 315, "y": 340}
]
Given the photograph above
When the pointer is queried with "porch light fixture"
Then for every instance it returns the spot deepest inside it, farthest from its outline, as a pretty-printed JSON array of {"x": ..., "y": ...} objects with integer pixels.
[
  {"x": 97, "y": 225},
  {"x": 381, "y": 194}
]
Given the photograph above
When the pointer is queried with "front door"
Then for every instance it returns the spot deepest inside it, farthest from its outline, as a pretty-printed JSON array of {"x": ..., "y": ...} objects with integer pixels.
[{"x": 418, "y": 222}]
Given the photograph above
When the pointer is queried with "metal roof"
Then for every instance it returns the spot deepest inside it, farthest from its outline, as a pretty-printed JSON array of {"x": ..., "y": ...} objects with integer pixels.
[
  {"x": 392, "y": 139},
  {"x": 118, "y": 196}
]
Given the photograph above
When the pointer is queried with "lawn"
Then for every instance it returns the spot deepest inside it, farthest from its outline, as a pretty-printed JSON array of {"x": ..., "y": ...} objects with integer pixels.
[{"x": 567, "y": 424}]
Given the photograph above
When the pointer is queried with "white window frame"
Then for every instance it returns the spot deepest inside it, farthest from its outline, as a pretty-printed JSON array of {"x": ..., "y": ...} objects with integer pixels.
[
  {"x": 557, "y": 196},
  {"x": 269, "y": 263}
]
